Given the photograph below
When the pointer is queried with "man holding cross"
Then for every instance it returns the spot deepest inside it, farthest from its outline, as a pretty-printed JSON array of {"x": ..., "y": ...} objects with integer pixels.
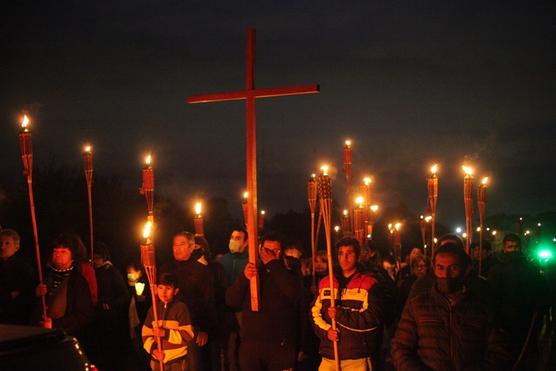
[{"x": 269, "y": 336}]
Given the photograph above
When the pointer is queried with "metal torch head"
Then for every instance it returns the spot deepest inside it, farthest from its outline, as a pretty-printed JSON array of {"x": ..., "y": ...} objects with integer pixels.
[{"x": 324, "y": 187}]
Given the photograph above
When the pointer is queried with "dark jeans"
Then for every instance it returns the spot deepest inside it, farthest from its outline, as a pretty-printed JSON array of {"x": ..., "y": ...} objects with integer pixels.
[
  {"x": 264, "y": 356},
  {"x": 179, "y": 364}
]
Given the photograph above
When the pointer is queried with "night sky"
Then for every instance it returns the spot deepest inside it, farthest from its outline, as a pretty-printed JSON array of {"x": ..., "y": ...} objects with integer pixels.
[{"x": 410, "y": 82}]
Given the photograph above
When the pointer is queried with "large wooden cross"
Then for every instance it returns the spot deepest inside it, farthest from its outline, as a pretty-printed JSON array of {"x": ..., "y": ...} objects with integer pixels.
[{"x": 249, "y": 95}]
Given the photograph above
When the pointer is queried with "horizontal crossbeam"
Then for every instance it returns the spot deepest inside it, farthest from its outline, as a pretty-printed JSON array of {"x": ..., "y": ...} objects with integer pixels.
[{"x": 255, "y": 93}]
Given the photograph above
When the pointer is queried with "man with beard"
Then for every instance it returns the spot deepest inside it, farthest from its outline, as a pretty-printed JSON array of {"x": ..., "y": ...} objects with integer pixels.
[
  {"x": 449, "y": 326},
  {"x": 270, "y": 336}
]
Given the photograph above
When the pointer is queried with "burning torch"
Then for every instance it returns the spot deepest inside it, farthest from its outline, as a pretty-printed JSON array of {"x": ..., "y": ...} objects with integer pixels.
[
  {"x": 149, "y": 262},
  {"x": 147, "y": 189},
  {"x": 198, "y": 219},
  {"x": 481, "y": 203},
  {"x": 468, "y": 201},
  {"x": 312, "y": 200},
  {"x": 358, "y": 228},
  {"x": 432, "y": 188},
  {"x": 347, "y": 173},
  {"x": 325, "y": 197},
  {"x": 88, "y": 168},
  {"x": 27, "y": 159}
]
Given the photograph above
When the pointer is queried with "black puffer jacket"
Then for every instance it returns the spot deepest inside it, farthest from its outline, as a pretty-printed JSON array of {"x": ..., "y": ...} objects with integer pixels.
[
  {"x": 434, "y": 334},
  {"x": 520, "y": 291}
]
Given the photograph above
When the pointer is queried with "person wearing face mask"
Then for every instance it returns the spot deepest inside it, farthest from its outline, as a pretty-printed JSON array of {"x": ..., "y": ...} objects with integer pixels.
[
  {"x": 233, "y": 264},
  {"x": 450, "y": 326},
  {"x": 522, "y": 294},
  {"x": 307, "y": 352},
  {"x": 270, "y": 336},
  {"x": 292, "y": 258},
  {"x": 235, "y": 261},
  {"x": 140, "y": 294}
]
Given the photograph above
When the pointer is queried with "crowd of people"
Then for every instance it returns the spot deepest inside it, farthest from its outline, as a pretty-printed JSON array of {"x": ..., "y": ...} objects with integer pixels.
[{"x": 451, "y": 311}]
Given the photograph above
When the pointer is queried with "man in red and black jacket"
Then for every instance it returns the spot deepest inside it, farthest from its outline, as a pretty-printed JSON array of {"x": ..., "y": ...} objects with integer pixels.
[{"x": 358, "y": 313}]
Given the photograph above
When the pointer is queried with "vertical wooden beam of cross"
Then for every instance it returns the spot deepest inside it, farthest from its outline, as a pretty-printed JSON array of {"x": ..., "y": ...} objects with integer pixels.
[{"x": 249, "y": 95}]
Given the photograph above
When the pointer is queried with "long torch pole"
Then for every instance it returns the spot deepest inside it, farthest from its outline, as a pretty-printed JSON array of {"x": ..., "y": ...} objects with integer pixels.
[
  {"x": 432, "y": 188},
  {"x": 358, "y": 228},
  {"x": 149, "y": 262},
  {"x": 312, "y": 200},
  {"x": 347, "y": 171},
  {"x": 423, "y": 227},
  {"x": 325, "y": 195},
  {"x": 147, "y": 189},
  {"x": 88, "y": 168},
  {"x": 468, "y": 201},
  {"x": 26, "y": 148},
  {"x": 365, "y": 190},
  {"x": 481, "y": 203},
  {"x": 373, "y": 209}
]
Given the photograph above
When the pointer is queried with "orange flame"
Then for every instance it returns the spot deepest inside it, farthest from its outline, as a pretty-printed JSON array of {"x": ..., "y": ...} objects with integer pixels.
[
  {"x": 468, "y": 170},
  {"x": 25, "y": 122},
  {"x": 198, "y": 207},
  {"x": 147, "y": 229}
]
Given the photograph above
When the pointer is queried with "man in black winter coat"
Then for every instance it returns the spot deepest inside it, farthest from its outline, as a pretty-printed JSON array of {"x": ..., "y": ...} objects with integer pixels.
[
  {"x": 269, "y": 337},
  {"x": 449, "y": 326},
  {"x": 196, "y": 290},
  {"x": 17, "y": 281},
  {"x": 521, "y": 293}
]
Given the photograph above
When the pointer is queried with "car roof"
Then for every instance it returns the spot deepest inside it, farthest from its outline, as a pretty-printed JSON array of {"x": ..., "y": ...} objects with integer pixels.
[{"x": 10, "y": 333}]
